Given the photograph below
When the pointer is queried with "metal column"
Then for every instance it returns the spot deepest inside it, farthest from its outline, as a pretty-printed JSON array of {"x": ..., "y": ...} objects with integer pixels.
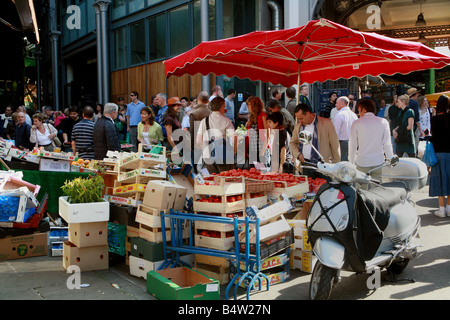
[
  {"x": 204, "y": 18},
  {"x": 99, "y": 53}
]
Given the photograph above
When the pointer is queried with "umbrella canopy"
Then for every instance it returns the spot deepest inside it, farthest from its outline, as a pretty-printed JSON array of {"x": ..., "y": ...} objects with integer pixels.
[{"x": 319, "y": 51}]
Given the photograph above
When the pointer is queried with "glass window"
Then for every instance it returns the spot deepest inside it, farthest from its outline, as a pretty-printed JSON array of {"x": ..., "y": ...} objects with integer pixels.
[
  {"x": 135, "y": 5},
  {"x": 119, "y": 9},
  {"x": 91, "y": 16},
  {"x": 157, "y": 37},
  {"x": 137, "y": 42},
  {"x": 197, "y": 22},
  {"x": 120, "y": 48},
  {"x": 179, "y": 30},
  {"x": 152, "y": 2}
]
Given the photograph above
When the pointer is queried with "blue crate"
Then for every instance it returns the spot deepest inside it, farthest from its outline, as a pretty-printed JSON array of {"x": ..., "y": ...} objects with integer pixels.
[{"x": 8, "y": 208}]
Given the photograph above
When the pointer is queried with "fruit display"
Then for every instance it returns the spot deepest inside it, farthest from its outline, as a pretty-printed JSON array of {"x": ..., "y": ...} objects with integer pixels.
[
  {"x": 81, "y": 163},
  {"x": 253, "y": 173}
]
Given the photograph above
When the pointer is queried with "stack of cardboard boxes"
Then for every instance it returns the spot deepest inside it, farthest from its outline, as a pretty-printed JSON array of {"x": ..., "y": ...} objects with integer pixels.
[
  {"x": 275, "y": 236},
  {"x": 136, "y": 169},
  {"x": 87, "y": 246},
  {"x": 147, "y": 241},
  {"x": 302, "y": 256}
]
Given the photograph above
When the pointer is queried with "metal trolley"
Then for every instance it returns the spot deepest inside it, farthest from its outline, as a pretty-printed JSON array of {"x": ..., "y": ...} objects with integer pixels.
[{"x": 251, "y": 270}]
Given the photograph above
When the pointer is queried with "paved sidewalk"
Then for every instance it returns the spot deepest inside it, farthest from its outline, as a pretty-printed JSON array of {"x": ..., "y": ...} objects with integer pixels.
[{"x": 43, "y": 278}]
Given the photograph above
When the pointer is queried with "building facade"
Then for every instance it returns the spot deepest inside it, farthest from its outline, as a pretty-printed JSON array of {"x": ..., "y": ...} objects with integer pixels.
[{"x": 99, "y": 50}]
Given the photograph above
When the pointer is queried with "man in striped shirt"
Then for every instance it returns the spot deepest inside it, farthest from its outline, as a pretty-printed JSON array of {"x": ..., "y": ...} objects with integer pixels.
[{"x": 83, "y": 135}]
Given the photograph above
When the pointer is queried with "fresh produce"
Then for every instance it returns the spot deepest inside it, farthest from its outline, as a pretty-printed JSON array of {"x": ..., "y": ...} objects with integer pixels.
[
  {"x": 215, "y": 234},
  {"x": 289, "y": 178}
]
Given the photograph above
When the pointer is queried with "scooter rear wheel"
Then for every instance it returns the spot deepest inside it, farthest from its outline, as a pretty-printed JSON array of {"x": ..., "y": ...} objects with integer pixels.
[{"x": 322, "y": 281}]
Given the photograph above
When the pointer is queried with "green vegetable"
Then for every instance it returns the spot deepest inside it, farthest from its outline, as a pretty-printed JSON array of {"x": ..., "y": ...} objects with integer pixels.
[{"x": 84, "y": 190}]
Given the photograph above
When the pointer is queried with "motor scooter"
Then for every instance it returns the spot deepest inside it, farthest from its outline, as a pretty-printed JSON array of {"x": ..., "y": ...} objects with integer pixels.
[{"x": 358, "y": 229}]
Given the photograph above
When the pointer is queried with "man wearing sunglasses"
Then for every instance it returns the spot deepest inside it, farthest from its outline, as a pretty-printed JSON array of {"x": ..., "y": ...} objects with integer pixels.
[{"x": 134, "y": 117}]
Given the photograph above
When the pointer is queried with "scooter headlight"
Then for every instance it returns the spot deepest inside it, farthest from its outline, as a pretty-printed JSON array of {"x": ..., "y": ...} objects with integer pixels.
[{"x": 346, "y": 172}]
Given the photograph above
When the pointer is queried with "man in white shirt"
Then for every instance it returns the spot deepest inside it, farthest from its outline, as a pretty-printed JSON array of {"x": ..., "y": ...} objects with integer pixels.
[
  {"x": 216, "y": 92},
  {"x": 370, "y": 139},
  {"x": 343, "y": 123},
  {"x": 218, "y": 155}
]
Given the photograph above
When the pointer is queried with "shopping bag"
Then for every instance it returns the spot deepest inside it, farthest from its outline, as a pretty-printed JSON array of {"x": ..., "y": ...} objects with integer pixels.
[{"x": 429, "y": 156}]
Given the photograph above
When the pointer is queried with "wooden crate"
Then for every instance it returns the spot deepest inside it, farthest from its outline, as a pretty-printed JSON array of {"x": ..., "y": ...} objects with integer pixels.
[
  {"x": 143, "y": 174},
  {"x": 223, "y": 243},
  {"x": 219, "y": 273},
  {"x": 155, "y": 234},
  {"x": 220, "y": 186},
  {"x": 219, "y": 207},
  {"x": 135, "y": 190},
  {"x": 259, "y": 202},
  {"x": 295, "y": 191},
  {"x": 142, "y": 159},
  {"x": 150, "y": 217},
  {"x": 215, "y": 226}
]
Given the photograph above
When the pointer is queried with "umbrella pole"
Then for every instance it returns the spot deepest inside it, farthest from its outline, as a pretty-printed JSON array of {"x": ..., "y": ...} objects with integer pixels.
[{"x": 298, "y": 82}]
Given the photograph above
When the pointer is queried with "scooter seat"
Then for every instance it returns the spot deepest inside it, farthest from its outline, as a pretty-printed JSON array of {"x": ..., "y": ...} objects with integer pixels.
[
  {"x": 392, "y": 192},
  {"x": 379, "y": 200}
]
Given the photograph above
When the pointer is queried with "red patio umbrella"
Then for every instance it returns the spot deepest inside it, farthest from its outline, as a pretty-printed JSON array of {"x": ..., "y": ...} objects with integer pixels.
[{"x": 318, "y": 51}]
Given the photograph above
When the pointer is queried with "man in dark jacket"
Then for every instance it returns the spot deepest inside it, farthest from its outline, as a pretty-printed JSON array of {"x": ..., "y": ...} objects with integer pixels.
[
  {"x": 105, "y": 133},
  {"x": 23, "y": 129}
]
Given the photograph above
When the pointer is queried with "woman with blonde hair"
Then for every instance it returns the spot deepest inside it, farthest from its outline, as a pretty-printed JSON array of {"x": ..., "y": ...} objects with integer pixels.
[
  {"x": 403, "y": 133},
  {"x": 425, "y": 113},
  {"x": 256, "y": 129},
  {"x": 41, "y": 133}
]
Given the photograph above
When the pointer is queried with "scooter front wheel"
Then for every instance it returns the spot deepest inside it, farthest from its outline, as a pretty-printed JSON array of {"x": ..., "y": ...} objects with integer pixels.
[{"x": 322, "y": 281}]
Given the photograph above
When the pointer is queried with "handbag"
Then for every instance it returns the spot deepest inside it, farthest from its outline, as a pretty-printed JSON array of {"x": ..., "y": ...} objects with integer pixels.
[
  {"x": 403, "y": 135},
  {"x": 429, "y": 156},
  {"x": 55, "y": 139}
]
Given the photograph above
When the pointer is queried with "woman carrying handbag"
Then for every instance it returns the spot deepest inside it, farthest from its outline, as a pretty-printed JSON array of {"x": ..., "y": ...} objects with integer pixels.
[
  {"x": 440, "y": 173},
  {"x": 42, "y": 134}
]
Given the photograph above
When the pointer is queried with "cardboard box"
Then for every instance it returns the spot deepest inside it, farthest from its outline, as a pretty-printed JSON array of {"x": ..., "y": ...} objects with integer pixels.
[
  {"x": 88, "y": 234},
  {"x": 122, "y": 201},
  {"x": 87, "y": 259},
  {"x": 22, "y": 191},
  {"x": 140, "y": 267},
  {"x": 150, "y": 251},
  {"x": 303, "y": 260},
  {"x": 23, "y": 155},
  {"x": 180, "y": 197},
  {"x": 83, "y": 212},
  {"x": 182, "y": 284},
  {"x": 31, "y": 245},
  {"x": 136, "y": 187},
  {"x": 160, "y": 195},
  {"x": 67, "y": 156},
  {"x": 54, "y": 165}
]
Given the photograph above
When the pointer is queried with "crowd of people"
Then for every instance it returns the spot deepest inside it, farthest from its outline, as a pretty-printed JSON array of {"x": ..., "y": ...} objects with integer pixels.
[{"x": 362, "y": 131}]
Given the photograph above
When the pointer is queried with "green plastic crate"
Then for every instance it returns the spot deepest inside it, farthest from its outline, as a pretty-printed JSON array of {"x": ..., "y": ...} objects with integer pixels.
[{"x": 117, "y": 235}]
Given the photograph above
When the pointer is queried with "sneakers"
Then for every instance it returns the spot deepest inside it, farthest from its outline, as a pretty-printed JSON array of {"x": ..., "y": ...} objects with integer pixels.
[{"x": 440, "y": 214}]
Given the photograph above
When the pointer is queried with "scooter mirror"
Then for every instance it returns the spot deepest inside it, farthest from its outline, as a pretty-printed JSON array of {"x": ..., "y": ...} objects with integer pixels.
[
  {"x": 305, "y": 137},
  {"x": 394, "y": 161}
]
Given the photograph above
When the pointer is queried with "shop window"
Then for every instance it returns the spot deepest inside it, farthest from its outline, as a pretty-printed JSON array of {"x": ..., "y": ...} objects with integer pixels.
[
  {"x": 120, "y": 48},
  {"x": 179, "y": 30},
  {"x": 135, "y": 5},
  {"x": 119, "y": 9},
  {"x": 157, "y": 37},
  {"x": 137, "y": 43},
  {"x": 197, "y": 21}
]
